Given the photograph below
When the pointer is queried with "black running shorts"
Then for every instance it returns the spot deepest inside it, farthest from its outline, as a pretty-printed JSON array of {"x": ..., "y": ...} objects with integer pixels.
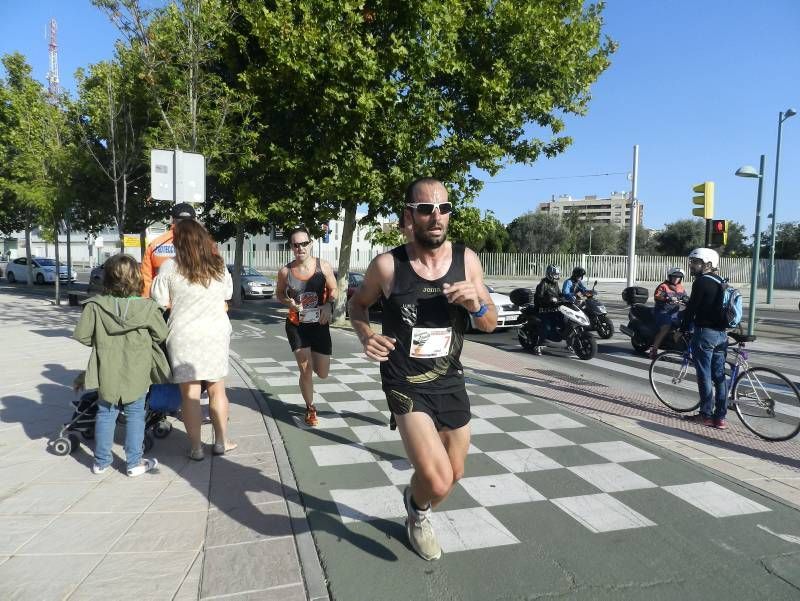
[
  {"x": 315, "y": 336},
  {"x": 449, "y": 411}
]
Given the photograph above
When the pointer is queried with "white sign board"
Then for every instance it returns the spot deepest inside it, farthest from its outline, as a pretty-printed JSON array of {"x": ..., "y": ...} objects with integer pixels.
[
  {"x": 162, "y": 174},
  {"x": 98, "y": 242},
  {"x": 178, "y": 176}
]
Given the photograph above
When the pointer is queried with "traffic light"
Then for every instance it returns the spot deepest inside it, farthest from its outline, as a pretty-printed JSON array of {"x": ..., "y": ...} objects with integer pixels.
[
  {"x": 719, "y": 232},
  {"x": 704, "y": 198}
]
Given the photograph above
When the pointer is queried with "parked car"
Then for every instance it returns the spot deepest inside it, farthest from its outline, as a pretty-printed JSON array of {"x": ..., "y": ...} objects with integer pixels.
[
  {"x": 354, "y": 281},
  {"x": 254, "y": 283},
  {"x": 44, "y": 271},
  {"x": 508, "y": 314},
  {"x": 96, "y": 279}
]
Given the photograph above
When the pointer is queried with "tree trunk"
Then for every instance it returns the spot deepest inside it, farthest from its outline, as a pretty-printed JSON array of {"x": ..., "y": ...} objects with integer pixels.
[
  {"x": 58, "y": 268},
  {"x": 238, "y": 256},
  {"x": 28, "y": 249},
  {"x": 344, "y": 261},
  {"x": 143, "y": 242},
  {"x": 69, "y": 253}
]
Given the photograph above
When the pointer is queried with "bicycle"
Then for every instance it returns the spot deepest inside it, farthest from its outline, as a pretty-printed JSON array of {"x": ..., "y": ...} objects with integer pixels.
[{"x": 766, "y": 401}]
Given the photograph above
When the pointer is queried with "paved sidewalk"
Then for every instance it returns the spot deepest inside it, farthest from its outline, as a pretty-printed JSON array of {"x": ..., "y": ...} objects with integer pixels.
[{"x": 227, "y": 527}]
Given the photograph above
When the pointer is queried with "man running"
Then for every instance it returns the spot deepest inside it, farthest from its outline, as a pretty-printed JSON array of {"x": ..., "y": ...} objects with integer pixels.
[
  {"x": 430, "y": 286},
  {"x": 306, "y": 285}
]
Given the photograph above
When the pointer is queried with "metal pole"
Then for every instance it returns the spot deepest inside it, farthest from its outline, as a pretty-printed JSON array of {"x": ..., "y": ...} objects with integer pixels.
[
  {"x": 751, "y": 312},
  {"x": 634, "y": 211},
  {"x": 591, "y": 229},
  {"x": 771, "y": 277}
]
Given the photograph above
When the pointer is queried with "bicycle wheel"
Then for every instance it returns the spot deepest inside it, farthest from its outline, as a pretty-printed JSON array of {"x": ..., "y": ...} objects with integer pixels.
[
  {"x": 673, "y": 380},
  {"x": 768, "y": 403}
]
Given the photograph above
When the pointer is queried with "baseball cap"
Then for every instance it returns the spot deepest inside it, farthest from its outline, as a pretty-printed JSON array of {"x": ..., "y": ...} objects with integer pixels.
[{"x": 183, "y": 210}]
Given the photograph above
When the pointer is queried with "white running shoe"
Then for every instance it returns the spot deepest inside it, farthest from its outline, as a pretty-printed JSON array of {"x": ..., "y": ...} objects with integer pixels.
[
  {"x": 145, "y": 466},
  {"x": 420, "y": 531},
  {"x": 96, "y": 469}
]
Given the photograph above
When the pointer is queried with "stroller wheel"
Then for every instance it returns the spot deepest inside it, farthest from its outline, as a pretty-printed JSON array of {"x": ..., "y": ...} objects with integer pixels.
[
  {"x": 74, "y": 442},
  {"x": 162, "y": 429},
  {"x": 62, "y": 446},
  {"x": 148, "y": 442}
]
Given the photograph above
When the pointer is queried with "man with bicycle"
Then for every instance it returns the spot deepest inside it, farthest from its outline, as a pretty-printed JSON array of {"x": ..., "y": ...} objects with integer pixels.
[{"x": 710, "y": 338}]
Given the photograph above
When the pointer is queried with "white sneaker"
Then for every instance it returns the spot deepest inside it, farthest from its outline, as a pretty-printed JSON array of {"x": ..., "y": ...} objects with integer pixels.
[
  {"x": 420, "y": 531},
  {"x": 96, "y": 469},
  {"x": 145, "y": 466}
]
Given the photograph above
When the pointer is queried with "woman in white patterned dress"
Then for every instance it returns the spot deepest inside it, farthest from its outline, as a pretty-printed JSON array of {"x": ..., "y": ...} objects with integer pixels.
[{"x": 195, "y": 285}]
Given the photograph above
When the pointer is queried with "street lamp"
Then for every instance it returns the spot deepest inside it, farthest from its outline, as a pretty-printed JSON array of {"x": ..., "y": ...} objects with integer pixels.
[
  {"x": 771, "y": 279},
  {"x": 591, "y": 229},
  {"x": 748, "y": 171}
]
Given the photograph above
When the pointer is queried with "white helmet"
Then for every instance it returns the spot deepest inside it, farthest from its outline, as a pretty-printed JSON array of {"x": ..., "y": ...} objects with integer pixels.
[
  {"x": 706, "y": 255},
  {"x": 676, "y": 272}
]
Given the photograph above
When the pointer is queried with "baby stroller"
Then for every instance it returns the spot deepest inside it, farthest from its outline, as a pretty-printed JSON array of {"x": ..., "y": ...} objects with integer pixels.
[{"x": 81, "y": 426}]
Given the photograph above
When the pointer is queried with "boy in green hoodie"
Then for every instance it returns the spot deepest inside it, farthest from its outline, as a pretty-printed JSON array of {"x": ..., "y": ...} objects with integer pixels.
[{"x": 124, "y": 331}]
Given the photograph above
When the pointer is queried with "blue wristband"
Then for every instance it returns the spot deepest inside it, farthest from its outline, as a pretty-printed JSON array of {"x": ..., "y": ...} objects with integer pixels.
[{"x": 480, "y": 312}]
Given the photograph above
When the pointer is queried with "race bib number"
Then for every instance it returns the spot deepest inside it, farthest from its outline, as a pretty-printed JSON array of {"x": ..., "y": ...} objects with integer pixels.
[
  {"x": 430, "y": 343},
  {"x": 309, "y": 316}
]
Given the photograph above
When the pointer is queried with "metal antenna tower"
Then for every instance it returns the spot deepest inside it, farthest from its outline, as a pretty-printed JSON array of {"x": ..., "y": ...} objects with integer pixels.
[{"x": 52, "y": 74}]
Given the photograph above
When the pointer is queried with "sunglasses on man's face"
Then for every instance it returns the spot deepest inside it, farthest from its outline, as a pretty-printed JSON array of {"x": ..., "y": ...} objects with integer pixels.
[
  {"x": 301, "y": 244},
  {"x": 427, "y": 208}
]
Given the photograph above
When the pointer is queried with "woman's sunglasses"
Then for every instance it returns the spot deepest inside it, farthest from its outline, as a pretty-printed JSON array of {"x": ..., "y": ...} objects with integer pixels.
[
  {"x": 427, "y": 208},
  {"x": 301, "y": 244}
]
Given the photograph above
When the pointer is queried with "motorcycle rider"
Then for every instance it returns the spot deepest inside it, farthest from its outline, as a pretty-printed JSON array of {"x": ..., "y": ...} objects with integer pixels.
[
  {"x": 545, "y": 301},
  {"x": 667, "y": 296},
  {"x": 574, "y": 285}
]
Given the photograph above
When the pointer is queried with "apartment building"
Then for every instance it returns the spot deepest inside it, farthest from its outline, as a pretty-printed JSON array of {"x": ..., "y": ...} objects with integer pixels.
[{"x": 615, "y": 209}]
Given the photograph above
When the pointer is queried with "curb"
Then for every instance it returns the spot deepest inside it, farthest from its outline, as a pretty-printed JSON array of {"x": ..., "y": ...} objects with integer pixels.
[{"x": 313, "y": 575}]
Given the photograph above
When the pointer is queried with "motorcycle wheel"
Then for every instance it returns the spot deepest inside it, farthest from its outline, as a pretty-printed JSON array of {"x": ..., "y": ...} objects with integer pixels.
[
  {"x": 605, "y": 327},
  {"x": 585, "y": 346},
  {"x": 524, "y": 341},
  {"x": 639, "y": 344}
]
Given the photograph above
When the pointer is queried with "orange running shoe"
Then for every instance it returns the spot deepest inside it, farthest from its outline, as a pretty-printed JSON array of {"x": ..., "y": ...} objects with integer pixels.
[{"x": 311, "y": 416}]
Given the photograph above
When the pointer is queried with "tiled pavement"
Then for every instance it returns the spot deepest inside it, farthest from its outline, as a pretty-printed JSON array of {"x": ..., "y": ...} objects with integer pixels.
[{"x": 226, "y": 527}]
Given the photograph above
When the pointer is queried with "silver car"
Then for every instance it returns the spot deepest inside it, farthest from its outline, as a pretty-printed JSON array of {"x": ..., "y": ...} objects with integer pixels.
[{"x": 254, "y": 283}]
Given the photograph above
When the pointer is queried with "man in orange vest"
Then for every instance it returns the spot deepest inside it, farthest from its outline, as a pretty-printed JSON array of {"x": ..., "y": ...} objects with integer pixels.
[{"x": 162, "y": 249}]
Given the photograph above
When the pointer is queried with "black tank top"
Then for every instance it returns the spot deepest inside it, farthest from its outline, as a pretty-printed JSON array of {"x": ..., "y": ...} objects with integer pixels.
[{"x": 414, "y": 307}]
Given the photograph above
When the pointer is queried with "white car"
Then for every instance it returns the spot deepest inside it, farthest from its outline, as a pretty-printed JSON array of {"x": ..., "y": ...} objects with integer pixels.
[
  {"x": 508, "y": 314},
  {"x": 44, "y": 271}
]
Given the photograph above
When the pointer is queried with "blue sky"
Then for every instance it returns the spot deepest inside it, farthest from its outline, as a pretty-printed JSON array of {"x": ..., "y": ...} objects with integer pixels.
[{"x": 696, "y": 84}]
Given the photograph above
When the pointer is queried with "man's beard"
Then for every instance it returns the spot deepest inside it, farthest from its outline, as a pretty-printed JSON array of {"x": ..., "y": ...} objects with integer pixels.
[{"x": 423, "y": 237}]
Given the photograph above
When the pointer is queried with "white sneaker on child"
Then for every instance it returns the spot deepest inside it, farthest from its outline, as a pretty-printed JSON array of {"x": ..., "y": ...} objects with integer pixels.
[
  {"x": 145, "y": 466},
  {"x": 96, "y": 469}
]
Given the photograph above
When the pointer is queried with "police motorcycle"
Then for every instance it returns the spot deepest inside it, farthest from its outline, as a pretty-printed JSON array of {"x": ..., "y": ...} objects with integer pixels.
[
  {"x": 642, "y": 326},
  {"x": 597, "y": 313},
  {"x": 574, "y": 332}
]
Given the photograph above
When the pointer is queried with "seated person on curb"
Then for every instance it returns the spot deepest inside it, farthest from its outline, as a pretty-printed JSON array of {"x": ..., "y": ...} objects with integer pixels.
[
  {"x": 545, "y": 301},
  {"x": 667, "y": 296},
  {"x": 573, "y": 285}
]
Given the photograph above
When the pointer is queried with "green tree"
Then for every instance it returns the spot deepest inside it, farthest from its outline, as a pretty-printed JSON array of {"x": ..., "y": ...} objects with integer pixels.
[
  {"x": 191, "y": 63},
  {"x": 36, "y": 148},
  {"x": 787, "y": 241},
  {"x": 736, "y": 245},
  {"x": 680, "y": 237},
  {"x": 604, "y": 238},
  {"x": 537, "y": 233},
  {"x": 645, "y": 241},
  {"x": 367, "y": 96}
]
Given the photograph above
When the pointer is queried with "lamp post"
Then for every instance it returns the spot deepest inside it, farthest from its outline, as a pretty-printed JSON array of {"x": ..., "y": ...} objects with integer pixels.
[
  {"x": 748, "y": 171},
  {"x": 591, "y": 229},
  {"x": 771, "y": 278}
]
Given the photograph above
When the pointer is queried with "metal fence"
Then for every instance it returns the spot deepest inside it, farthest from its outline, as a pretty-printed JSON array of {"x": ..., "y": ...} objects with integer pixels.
[{"x": 528, "y": 265}]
